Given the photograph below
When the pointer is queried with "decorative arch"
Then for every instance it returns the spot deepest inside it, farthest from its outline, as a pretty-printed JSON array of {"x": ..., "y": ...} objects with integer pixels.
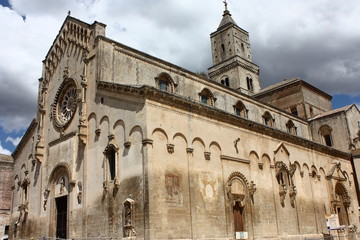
[
  {"x": 265, "y": 160},
  {"x": 181, "y": 136},
  {"x": 298, "y": 166},
  {"x": 305, "y": 166},
  {"x": 213, "y": 143},
  {"x": 104, "y": 119},
  {"x": 161, "y": 131},
  {"x": 119, "y": 131},
  {"x": 135, "y": 129},
  {"x": 92, "y": 116},
  {"x": 314, "y": 172},
  {"x": 197, "y": 139},
  {"x": 253, "y": 153},
  {"x": 104, "y": 126},
  {"x": 119, "y": 123}
]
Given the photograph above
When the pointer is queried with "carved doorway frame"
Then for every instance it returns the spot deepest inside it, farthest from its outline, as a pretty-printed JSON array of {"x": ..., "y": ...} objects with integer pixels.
[
  {"x": 240, "y": 195},
  {"x": 59, "y": 188}
]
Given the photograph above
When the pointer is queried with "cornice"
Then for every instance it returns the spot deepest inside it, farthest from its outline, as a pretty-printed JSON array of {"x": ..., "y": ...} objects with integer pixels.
[
  {"x": 232, "y": 65},
  {"x": 192, "y": 106},
  {"x": 62, "y": 138},
  {"x": 25, "y": 138}
]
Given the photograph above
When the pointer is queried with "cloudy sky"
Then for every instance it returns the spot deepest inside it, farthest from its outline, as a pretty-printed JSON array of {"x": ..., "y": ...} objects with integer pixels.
[{"x": 316, "y": 40}]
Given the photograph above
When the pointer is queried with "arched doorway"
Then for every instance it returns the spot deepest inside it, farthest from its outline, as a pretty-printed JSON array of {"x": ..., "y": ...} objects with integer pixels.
[
  {"x": 61, "y": 206},
  {"x": 59, "y": 197},
  {"x": 240, "y": 194},
  {"x": 341, "y": 203}
]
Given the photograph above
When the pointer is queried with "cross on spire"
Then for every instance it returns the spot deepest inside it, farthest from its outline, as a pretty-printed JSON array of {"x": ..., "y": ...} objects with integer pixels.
[{"x": 225, "y": 3}]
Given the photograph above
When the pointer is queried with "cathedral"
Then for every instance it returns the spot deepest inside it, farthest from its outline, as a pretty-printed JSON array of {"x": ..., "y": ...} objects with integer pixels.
[{"x": 128, "y": 146}]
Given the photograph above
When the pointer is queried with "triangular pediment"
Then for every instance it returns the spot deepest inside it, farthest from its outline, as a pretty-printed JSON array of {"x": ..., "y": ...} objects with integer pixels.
[
  {"x": 281, "y": 147},
  {"x": 75, "y": 34},
  {"x": 282, "y": 154}
]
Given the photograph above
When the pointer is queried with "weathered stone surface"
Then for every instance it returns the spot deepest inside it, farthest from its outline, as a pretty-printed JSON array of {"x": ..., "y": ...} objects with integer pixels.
[{"x": 129, "y": 146}]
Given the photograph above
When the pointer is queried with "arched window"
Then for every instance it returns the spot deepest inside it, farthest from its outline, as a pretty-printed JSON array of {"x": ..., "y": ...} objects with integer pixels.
[
  {"x": 325, "y": 133},
  {"x": 206, "y": 97},
  {"x": 249, "y": 82},
  {"x": 291, "y": 127},
  {"x": 225, "y": 81},
  {"x": 268, "y": 120},
  {"x": 240, "y": 109},
  {"x": 111, "y": 168},
  {"x": 165, "y": 83}
]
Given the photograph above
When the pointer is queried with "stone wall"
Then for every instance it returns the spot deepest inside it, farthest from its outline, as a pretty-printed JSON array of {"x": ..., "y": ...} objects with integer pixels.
[{"x": 6, "y": 183}]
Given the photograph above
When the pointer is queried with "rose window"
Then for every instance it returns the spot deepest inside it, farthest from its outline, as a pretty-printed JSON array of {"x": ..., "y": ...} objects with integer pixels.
[{"x": 65, "y": 104}]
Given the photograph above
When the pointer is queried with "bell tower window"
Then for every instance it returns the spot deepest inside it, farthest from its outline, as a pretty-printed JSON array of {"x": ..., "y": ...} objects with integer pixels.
[
  {"x": 249, "y": 82},
  {"x": 223, "y": 47},
  {"x": 225, "y": 81}
]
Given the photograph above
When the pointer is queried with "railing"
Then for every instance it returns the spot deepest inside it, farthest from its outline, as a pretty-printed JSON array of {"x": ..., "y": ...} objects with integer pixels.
[{"x": 340, "y": 236}]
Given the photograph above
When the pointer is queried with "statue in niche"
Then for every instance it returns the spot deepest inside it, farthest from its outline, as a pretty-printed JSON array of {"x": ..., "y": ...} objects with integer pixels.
[{"x": 128, "y": 218}]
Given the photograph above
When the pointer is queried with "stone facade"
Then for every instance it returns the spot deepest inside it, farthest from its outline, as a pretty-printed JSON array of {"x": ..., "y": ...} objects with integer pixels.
[
  {"x": 126, "y": 145},
  {"x": 6, "y": 182}
]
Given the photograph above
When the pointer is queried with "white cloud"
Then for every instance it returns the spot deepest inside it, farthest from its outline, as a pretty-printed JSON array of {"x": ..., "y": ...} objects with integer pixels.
[
  {"x": 14, "y": 141},
  {"x": 3, "y": 150},
  {"x": 314, "y": 40}
]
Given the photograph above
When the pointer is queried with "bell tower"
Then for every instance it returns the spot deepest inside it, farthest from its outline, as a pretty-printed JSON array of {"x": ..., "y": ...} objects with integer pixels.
[{"x": 231, "y": 55}]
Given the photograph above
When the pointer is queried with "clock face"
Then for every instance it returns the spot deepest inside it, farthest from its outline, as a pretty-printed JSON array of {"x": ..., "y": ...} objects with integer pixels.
[{"x": 65, "y": 104}]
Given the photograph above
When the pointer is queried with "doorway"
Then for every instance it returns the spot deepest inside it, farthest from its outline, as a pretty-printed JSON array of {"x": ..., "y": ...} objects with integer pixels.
[
  {"x": 61, "y": 217},
  {"x": 238, "y": 217}
]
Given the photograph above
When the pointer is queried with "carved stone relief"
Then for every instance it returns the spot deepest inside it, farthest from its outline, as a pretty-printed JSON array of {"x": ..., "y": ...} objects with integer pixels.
[
  {"x": 239, "y": 190},
  {"x": 208, "y": 186}
]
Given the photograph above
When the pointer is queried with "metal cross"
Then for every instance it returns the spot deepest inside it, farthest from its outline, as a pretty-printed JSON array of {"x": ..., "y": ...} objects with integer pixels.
[{"x": 225, "y": 3}]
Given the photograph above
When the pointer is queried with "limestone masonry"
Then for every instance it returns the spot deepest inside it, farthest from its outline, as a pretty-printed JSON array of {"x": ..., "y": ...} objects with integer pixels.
[{"x": 125, "y": 145}]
